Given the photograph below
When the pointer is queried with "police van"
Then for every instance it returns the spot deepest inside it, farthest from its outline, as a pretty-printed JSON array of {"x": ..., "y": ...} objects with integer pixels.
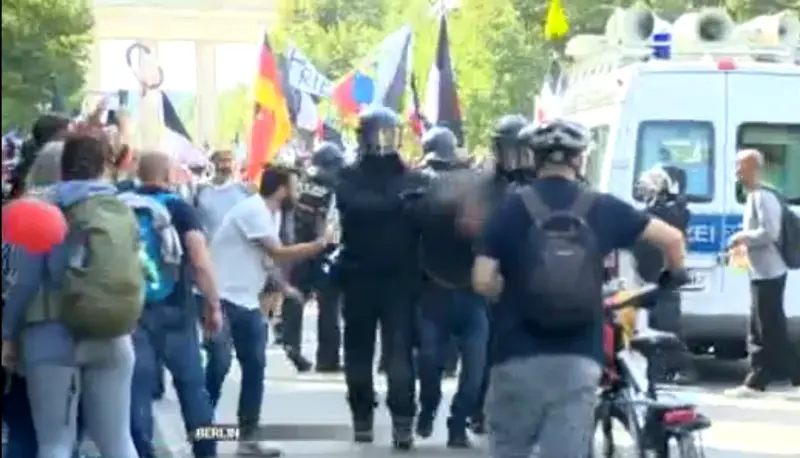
[{"x": 690, "y": 94}]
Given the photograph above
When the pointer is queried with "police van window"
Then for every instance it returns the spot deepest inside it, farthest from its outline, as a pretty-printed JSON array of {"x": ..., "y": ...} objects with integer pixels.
[
  {"x": 596, "y": 154},
  {"x": 685, "y": 145},
  {"x": 780, "y": 145}
]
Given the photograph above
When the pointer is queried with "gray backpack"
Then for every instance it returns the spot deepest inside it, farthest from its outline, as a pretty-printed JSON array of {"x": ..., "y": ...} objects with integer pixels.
[{"x": 565, "y": 280}]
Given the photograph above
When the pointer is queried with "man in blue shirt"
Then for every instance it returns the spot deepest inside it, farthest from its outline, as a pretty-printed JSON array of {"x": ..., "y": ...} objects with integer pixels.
[
  {"x": 543, "y": 384},
  {"x": 167, "y": 329}
]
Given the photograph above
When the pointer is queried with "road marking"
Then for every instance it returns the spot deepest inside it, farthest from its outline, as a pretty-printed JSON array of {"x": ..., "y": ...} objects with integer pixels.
[{"x": 738, "y": 436}]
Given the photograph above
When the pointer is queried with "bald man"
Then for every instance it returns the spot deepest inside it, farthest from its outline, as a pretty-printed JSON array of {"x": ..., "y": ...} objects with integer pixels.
[
  {"x": 167, "y": 331},
  {"x": 772, "y": 355}
]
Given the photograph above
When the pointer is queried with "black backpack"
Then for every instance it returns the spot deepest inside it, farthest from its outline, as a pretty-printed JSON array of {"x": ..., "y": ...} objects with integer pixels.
[
  {"x": 789, "y": 241},
  {"x": 565, "y": 280}
]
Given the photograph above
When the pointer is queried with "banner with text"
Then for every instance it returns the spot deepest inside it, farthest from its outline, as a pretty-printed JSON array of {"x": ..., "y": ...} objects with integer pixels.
[{"x": 304, "y": 76}]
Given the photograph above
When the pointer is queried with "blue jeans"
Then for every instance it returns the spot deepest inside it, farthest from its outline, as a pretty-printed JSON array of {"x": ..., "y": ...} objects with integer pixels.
[
  {"x": 445, "y": 313},
  {"x": 169, "y": 334},
  {"x": 246, "y": 330},
  {"x": 219, "y": 356}
]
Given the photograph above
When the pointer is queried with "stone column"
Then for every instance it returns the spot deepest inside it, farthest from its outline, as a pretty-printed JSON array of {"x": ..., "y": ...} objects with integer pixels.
[
  {"x": 93, "y": 73},
  {"x": 206, "y": 60}
]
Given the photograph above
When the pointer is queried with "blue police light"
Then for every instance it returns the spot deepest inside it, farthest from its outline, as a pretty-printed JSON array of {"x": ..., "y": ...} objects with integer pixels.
[{"x": 662, "y": 46}]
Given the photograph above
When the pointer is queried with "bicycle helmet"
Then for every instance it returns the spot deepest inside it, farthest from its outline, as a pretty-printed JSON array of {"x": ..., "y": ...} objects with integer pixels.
[{"x": 556, "y": 141}]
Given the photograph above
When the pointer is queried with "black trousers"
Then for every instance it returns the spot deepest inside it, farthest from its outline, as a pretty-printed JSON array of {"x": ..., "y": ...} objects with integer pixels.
[
  {"x": 329, "y": 332},
  {"x": 666, "y": 316},
  {"x": 772, "y": 355},
  {"x": 452, "y": 356},
  {"x": 367, "y": 305},
  {"x": 328, "y": 329},
  {"x": 292, "y": 323}
]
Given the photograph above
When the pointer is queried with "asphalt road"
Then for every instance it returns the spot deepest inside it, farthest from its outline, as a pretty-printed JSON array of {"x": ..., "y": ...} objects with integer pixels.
[{"x": 768, "y": 427}]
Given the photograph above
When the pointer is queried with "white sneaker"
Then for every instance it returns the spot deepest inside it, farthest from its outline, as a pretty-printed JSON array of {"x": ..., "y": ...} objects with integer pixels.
[
  {"x": 743, "y": 392},
  {"x": 793, "y": 394}
]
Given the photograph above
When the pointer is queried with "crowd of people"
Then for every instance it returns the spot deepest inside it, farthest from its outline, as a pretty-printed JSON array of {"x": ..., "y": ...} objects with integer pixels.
[{"x": 502, "y": 268}]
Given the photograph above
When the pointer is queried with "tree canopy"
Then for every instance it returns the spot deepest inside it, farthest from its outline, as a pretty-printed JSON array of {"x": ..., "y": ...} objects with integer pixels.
[
  {"x": 45, "y": 46},
  {"x": 497, "y": 46}
]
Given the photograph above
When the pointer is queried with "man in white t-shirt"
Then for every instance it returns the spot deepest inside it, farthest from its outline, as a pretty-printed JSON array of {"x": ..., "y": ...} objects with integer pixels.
[{"x": 243, "y": 249}]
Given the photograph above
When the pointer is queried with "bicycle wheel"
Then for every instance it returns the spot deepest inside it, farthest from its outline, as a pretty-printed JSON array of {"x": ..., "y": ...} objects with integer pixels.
[
  {"x": 631, "y": 420},
  {"x": 603, "y": 419}
]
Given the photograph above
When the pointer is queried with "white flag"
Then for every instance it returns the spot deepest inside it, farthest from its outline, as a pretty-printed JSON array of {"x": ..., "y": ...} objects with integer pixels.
[
  {"x": 304, "y": 76},
  {"x": 307, "y": 114}
]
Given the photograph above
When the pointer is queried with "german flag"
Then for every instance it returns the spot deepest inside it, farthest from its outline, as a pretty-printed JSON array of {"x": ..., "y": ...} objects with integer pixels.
[{"x": 272, "y": 126}]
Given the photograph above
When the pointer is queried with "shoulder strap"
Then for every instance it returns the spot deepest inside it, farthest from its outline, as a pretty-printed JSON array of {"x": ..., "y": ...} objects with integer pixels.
[
  {"x": 197, "y": 191},
  {"x": 166, "y": 197},
  {"x": 534, "y": 204},
  {"x": 155, "y": 204},
  {"x": 583, "y": 203}
]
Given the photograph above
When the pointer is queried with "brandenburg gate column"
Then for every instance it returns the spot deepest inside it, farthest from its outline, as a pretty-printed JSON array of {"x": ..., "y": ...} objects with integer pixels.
[
  {"x": 93, "y": 74},
  {"x": 150, "y": 124},
  {"x": 206, "y": 61}
]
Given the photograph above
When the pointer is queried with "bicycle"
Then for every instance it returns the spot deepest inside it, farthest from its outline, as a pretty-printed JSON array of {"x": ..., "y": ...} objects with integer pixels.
[{"x": 628, "y": 392}]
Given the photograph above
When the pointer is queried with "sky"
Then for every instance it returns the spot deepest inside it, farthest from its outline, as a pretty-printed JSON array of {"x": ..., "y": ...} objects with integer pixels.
[{"x": 236, "y": 64}]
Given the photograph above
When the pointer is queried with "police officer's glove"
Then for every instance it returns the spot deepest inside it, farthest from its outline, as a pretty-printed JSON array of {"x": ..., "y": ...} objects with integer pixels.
[{"x": 673, "y": 279}]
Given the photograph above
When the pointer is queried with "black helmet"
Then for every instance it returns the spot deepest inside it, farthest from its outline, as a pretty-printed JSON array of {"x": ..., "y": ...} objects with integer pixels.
[
  {"x": 327, "y": 156},
  {"x": 555, "y": 141},
  {"x": 439, "y": 145},
  {"x": 379, "y": 130},
  {"x": 505, "y": 143}
]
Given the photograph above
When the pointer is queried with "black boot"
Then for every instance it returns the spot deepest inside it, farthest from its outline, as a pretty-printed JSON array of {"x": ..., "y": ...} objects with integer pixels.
[
  {"x": 457, "y": 434},
  {"x": 477, "y": 424},
  {"x": 250, "y": 446},
  {"x": 328, "y": 368},
  {"x": 298, "y": 360},
  {"x": 425, "y": 420},
  {"x": 362, "y": 428},
  {"x": 402, "y": 435}
]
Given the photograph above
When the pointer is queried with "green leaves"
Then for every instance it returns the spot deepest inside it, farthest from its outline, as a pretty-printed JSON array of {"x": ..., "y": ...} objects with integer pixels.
[
  {"x": 45, "y": 42},
  {"x": 234, "y": 107}
]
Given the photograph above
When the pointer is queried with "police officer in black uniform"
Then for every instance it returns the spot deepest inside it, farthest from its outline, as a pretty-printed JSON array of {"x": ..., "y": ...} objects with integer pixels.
[
  {"x": 311, "y": 214},
  {"x": 448, "y": 306},
  {"x": 439, "y": 145},
  {"x": 662, "y": 189},
  {"x": 377, "y": 271},
  {"x": 514, "y": 167}
]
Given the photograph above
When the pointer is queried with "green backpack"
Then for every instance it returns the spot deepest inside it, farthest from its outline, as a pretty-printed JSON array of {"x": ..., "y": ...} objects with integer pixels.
[{"x": 102, "y": 292}]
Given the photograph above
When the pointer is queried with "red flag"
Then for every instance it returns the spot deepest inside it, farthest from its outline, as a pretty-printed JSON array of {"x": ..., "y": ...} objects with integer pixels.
[{"x": 272, "y": 126}]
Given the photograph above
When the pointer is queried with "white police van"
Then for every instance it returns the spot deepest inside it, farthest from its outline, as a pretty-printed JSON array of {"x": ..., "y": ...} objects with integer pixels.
[{"x": 690, "y": 94}]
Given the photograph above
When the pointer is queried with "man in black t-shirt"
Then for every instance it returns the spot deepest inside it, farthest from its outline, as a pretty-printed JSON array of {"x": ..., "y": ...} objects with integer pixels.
[
  {"x": 543, "y": 384},
  {"x": 167, "y": 330}
]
